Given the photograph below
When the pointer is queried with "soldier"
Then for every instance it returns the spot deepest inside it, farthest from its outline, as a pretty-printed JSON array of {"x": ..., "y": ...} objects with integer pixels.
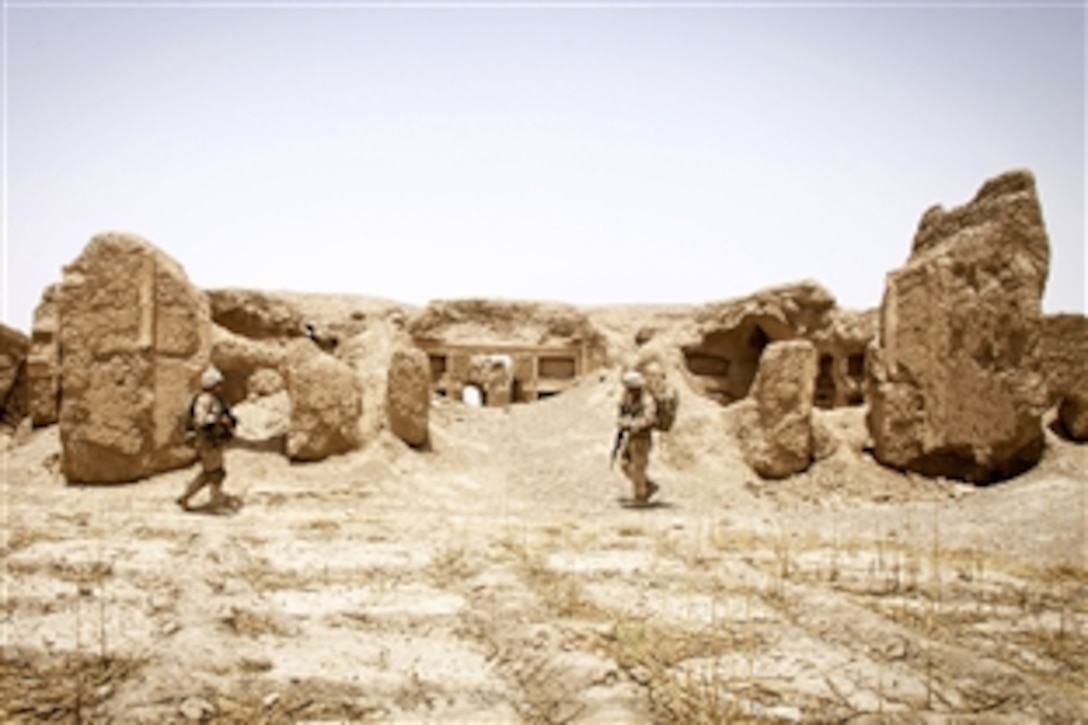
[
  {"x": 637, "y": 416},
  {"x": 213, "y": 425}
]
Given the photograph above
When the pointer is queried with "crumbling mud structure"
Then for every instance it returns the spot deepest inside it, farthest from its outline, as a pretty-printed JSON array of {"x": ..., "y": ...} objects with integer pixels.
[
  {"x": 955, "y": 384},
  {"x": 510, "y": 352},
  {"x": 503, "y": 374},
  {"x": 134, "y": 337},
  {"x": 43, "y": 360},
  {"x": 730, "y": 338},
  {"x": 1063, "y": 361},
  {"x": 397, "y": 554},
  {"x": 13, "y": 386},
  {"x": 953, "y": 371},
  {"x": 775, "y": 430}
]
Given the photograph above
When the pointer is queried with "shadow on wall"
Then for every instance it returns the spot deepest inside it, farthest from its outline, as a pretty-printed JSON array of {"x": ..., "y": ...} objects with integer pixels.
[
  {"x": 725, "y": 362},
  {"x": 272, "y": 444},
  {"x": 840, "y": 380}
]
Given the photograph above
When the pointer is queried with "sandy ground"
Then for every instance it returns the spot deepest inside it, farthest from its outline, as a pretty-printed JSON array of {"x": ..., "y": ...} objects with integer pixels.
[{"x": 498, "y": 578}]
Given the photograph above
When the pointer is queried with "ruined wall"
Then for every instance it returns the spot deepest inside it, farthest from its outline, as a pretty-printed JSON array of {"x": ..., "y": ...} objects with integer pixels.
[
  {"x": 841, "y": 346},
  {"x": 512, "y": 351},
  {"x": 254, "y": 314},
  {"x": 723, "y": 358},
  {"x": 775, "y": 423},
  {"x": 1063, "y": 361},
  {"x": 326, "y": 403},
  {"x": 725, "y": 361},
  {"x": 43, "y": 362},
  {"x": 1063, "y": 355},
  {"x": 14, "y": 346},
  {"x": 134, "y": 337},
  {"x": 955, "y": 387},
  {"x": 241, "y": 359},
  {"x": 408, "y": 395},
  {"x": 503, "y": 373}
]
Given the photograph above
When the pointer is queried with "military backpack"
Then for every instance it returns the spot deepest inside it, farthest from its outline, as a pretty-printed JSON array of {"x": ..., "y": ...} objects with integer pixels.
[{"x": 667, "y": 402}]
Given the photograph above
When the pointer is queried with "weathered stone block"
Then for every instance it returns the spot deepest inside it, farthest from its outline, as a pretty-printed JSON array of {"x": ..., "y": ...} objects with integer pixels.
[
  {"x": 408, "y": 396},
  {"x": 123, "y": 379},
  {"x": 955, "y": 389},
  {"x": 1073, "y": 416},
  {"x": 14, "y": 346},
  {"x": 326, "y": 403},
  {"x": 1064, "y": 364},
  {"x": 43, "y": 368},
  {"x": 775, "y": 422}
]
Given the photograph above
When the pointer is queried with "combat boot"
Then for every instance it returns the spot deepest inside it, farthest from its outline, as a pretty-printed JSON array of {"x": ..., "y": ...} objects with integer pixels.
[{"x": 651, "y": 489}]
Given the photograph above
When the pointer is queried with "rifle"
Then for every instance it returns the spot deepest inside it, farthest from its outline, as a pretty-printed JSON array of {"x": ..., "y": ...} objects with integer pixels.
[
  {"x": 621, "y": 436},
  {"x": 222, "y": 429},
  {"x": 226, "y": 430}
]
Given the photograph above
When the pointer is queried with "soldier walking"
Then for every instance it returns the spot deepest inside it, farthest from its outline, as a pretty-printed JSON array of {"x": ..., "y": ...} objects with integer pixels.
[
  {"x": 636, "y": 421},
  {"x": 213, "y": 425}
]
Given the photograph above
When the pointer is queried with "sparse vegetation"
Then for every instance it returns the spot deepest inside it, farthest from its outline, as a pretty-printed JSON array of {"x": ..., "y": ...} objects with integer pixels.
[
  {"x": 458, "y": 586},
  {"x": 65, "y": 687}
]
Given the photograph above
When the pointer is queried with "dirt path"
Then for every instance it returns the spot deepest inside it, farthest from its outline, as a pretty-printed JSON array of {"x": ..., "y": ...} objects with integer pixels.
[{"x": 495, "y": 578}]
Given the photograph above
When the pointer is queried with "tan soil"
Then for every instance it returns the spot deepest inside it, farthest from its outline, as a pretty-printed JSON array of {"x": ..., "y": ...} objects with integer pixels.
[{"x": 498, "y": 578}]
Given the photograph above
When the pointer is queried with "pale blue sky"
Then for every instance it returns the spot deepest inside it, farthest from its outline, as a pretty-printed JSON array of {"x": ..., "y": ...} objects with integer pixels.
[{"x": 590, "y": 153}]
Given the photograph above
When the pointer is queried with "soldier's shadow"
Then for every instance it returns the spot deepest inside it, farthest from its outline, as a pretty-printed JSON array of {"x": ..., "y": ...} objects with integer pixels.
[
  {"x": 232, "y": 506},
  {"x": 629, "y": 503},
  {"x": 272, "y": 444}
]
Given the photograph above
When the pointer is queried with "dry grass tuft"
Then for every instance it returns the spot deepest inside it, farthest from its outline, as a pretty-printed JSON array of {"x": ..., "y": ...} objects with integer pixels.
[
  {"x": 307, "y": 700},
  {"x": 656, "y": 655},
  {"x": 248, "y": 623},
  {"x": 562, "y": 593},
  {"x": 23, "y": 538},
  {"x": 322, "y": 528},
  {"x": 68, "y": 687},
  {"x": 451, "y": 565}
]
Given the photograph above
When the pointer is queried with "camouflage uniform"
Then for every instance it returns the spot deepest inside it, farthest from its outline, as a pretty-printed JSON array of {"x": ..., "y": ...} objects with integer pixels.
[
  {"x": 214, "y": 424},
  {"x": 637, "y": 413}
]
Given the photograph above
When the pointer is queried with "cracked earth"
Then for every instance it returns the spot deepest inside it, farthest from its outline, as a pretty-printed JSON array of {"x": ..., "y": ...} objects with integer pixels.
[{"x": 497, "y": 577}]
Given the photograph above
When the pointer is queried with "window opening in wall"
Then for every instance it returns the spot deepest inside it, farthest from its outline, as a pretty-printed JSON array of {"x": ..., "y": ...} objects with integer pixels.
[
  {"x": 558, "y": 368},
  {"x": 757, "y": 339},
  {"x": 825, "y": 383},
  {"x": 855, "y": 365},
  {"x": 701, "y": 364},
  {"x": 438, "y": 367},
  {"x": 473, "y": 396}
]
